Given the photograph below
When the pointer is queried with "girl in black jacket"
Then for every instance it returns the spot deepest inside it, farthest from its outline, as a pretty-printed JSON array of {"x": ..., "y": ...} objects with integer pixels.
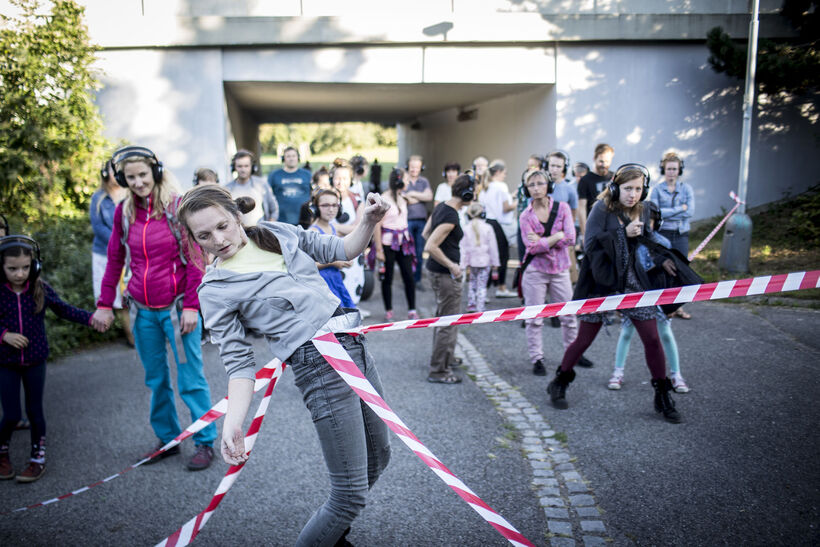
[{"x": 613, "y": 227}]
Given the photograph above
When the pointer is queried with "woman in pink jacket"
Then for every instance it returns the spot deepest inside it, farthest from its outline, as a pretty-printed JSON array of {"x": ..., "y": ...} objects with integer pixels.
[
  {"x": 162, "y": 296},
  {"x": 548, "y": 233},
  {"x": 479, "y": 253}
]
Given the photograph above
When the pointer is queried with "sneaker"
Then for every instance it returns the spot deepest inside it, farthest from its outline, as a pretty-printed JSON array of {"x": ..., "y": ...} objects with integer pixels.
[
  {"x": 506, "y": 294},
  {"x": 202, "y": 458},
  {"x": 538, "y": 368},
  {"x": 388, "y": 315},
  {"x": 173, "y": 451},
  {"x": 678, "y": 384},
  {"x": 6, "y": 470},
  {"x": 617, "y": 379},
  {"x": 470, "y": 309},
  {"x": 412, "y": 314},
  {"x": 32, "y": 472}
]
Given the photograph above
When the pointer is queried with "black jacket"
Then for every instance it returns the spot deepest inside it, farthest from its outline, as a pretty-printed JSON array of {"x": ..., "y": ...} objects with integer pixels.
[{"x": 601, "y": 273}]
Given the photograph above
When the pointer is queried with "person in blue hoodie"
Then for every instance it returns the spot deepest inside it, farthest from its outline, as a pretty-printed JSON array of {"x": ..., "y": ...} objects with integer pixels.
[{"x": 264, "y": 279}]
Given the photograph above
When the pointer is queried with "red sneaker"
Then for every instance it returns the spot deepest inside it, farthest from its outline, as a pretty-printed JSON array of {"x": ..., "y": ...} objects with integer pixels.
[
  {"x": 32, "y": 472},
  {"x": 202, "y": 458},
  {"x": 6, "y": 470}
]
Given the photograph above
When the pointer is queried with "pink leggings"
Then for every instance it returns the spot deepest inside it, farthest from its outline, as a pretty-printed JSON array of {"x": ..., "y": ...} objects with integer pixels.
[{"x": 647, "y": 330}]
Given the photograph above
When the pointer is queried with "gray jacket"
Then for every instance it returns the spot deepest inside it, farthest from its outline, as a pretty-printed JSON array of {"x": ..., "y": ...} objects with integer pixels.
[{"x": 287, "y": 308}]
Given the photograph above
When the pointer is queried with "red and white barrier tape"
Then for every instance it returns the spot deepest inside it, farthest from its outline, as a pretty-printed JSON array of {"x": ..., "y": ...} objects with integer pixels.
[
  {"x": 703, "y": 243},
  {"x": 340, "y": 360},
  {"x": 188, "y": 531},
  {"x": 268, "y": 373},
  {"x": 678, "y": 295}
]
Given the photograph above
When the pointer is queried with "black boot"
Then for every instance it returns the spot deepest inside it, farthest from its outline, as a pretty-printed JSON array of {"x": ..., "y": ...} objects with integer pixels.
[
  {"x": 342, "y": 541},
  {"x": 558, "y": 388},
  {"x": 664, "y": 402}
]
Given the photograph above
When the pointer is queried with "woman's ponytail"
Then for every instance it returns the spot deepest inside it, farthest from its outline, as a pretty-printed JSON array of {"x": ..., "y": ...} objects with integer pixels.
[{"x": 245, "y": 204}]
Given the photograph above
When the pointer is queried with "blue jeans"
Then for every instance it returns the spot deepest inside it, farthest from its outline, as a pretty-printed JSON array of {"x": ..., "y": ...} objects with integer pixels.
[
  {"x": 355, "y": 441},
  {"x": 151, "y": 329},
  {"x": 416, "y": 226},
  {"x": 679, "y": 241}
]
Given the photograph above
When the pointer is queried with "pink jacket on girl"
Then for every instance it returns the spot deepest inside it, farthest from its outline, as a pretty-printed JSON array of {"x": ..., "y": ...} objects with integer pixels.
[
  {"x": 157, "y": 272},
  {"x": 481, "y": 253}
]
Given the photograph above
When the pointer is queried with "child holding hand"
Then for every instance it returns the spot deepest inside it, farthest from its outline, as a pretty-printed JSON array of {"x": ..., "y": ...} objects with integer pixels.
[{"x": 24, "y": 298}]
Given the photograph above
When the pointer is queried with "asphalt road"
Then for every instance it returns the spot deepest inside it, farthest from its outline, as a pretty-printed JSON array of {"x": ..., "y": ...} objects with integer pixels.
[{"x": 742, "y": 469}]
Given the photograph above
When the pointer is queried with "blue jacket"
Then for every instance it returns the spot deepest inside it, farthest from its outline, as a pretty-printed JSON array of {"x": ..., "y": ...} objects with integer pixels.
[
  {"x": 102, "y": 220},
  {"x": 17, "y": 315},
  {"x": 675, "y": 219}
]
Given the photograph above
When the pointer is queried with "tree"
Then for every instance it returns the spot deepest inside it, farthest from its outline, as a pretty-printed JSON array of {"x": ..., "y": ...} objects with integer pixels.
[
  {"x": 782, "y": 66},
  {"x": 50, "y": 129}
]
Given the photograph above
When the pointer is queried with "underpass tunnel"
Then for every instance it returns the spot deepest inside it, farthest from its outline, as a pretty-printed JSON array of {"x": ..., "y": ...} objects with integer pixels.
[{"x": 441, "y": 121}]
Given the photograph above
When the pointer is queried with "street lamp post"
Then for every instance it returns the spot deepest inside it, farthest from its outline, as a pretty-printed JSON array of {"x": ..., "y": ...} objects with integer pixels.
[{"x": 737, "y": 239}]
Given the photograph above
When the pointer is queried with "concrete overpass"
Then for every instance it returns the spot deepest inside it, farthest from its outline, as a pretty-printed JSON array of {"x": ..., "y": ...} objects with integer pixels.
[{"x": 194, "y": 80}]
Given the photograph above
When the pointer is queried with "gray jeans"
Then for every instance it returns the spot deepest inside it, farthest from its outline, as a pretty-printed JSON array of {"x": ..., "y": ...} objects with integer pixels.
[
  {"x": 448, "y": 302},
  {"x": 355, "y": 441}
]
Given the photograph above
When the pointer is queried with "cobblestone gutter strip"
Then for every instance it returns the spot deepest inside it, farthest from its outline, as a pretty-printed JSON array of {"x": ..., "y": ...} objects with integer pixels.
[{"x": 567, "y": 500}]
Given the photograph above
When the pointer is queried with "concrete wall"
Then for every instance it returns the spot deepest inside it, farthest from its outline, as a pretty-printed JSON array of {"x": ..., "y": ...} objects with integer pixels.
[
  {"x": 510, "y": 128},
  {"x": 647, "y": 100},
  {"x": 170, "y": 101}
]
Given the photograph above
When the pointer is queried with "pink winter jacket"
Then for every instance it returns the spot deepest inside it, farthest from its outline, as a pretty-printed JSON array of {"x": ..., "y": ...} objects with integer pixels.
[
  {"x": 482, "y": 253},
  {"x": 157, "y": 272}
]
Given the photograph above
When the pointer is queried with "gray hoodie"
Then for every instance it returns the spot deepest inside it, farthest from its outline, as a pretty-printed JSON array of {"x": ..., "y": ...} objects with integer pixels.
[{"x": 287, "y": 308}]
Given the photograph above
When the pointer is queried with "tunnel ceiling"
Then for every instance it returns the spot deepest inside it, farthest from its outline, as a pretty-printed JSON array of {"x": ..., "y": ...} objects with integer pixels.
[{"x": 291, "y": 102}]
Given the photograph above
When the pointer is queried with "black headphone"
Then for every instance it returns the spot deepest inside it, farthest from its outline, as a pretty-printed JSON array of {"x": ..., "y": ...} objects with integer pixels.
[
  {"x": 341, "y": 216},
  {"x": 468, "y": 194},
  {"x": 615, "y": 190},
  {"x": 550, "y": 182},
  {"x": 106, "y": 170},
  {"x": 673, "y": 157},
  {"x": 24, "y": 242},
  {"x": 242, "y": 153},
  {"x": 358, "y": 162},
  {"x": 298, "y": 155},
  {"x": 136, "y": 152},
  {"x": 5, "y": 224},
  {"x": 584, "y": 165},
  {"x": 395, "y": 175},
  {"x": 557, "y": 152},
  {"x": 203, "y": 171},
  {"x": 407, "y": 165}
]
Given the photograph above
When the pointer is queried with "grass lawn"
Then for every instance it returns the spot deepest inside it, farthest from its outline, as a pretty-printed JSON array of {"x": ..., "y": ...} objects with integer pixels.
[{"x": 785, "y": 238}]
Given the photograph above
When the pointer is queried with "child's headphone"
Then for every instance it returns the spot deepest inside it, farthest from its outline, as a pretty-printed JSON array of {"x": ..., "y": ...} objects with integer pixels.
[
  {"x": 5, "y": 224},
  {"x": 557, "y": 152},
  {"x": 24, "y": 242},
  {"x": 242, "y": 153},
  {"x": 615, "y": 189},
  {"x": 136, "y": 152},
  {"x": 545, "y": 174},
  {"x": 298, "y": 155},
  {"x": 671, "y": 157},
  {"x": 106, "y": 170},
  {"x": 341, "y": 216}
]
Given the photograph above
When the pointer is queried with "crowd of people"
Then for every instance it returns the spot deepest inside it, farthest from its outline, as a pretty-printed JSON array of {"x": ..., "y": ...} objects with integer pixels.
[{"x": 285, "y": 257}]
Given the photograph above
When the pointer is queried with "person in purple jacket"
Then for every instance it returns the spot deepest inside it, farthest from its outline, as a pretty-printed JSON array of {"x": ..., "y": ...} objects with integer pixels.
[
  {"x": 162, "y": 296},
  {"x": 24, "y": 298}
]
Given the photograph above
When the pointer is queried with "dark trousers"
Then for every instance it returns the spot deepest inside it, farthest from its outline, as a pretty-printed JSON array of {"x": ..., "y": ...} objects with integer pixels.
[
  {"x": 679, "y": 241},
  {"x": 416, "y": 226},
  {"x": 503, "y": 252},
  {"x": 647, "y": 330},
  {"x": 405, "y": 263},
  {"x": 33, "y": 379}
]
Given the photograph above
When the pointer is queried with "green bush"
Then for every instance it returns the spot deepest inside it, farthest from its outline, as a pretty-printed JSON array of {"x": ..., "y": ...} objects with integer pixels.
[{"x": 65, "y": 248}]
